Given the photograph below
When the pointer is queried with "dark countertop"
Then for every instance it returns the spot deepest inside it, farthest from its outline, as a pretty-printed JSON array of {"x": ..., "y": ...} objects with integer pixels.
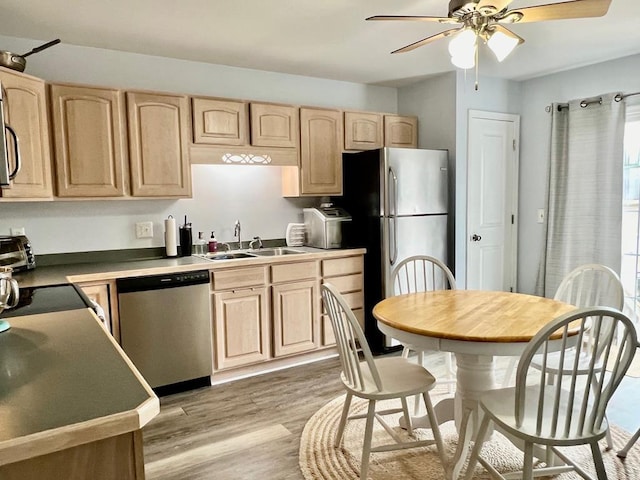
[
  {"x": 104, "y": 271},
  {"x": 64, "y": 380}
]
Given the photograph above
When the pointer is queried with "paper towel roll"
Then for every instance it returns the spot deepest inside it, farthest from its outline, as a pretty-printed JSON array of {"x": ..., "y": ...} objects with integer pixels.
[{"x": 170, "y": 240}]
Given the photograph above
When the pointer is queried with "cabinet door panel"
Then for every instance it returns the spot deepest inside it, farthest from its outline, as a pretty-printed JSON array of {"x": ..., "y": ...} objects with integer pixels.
[
  {"x": 241, "y": 327},
  {"x": 158, "y": 139},
  {"x": 321, "y": 151},
  {"x": 25, "y": 111},
  {"x": 294, "y": 318},
  {"x": 220, "y": 122},
  {"x": 400, "y": 131},
  {"x": 274, "y": 125},
  {"x": 362, "y": 131},
  {"x": 89, "y": 138}
]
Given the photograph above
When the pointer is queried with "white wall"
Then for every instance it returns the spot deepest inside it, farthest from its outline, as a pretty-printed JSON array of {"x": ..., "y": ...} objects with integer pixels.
[
  {"x": 221, "y": 194},
  {"x": 621, "y": 75}
]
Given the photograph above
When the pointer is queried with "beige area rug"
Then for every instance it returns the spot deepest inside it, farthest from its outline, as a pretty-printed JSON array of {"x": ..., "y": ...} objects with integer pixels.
[{"x": 319, "y": 460}]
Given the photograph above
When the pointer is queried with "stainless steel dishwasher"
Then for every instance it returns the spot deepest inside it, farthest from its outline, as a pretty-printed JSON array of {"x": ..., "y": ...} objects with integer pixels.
[{"x": 165, "y": 326}]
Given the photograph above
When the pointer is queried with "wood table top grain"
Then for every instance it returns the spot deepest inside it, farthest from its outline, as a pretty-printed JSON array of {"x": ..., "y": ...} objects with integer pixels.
[{"x": 470, "y": 315}]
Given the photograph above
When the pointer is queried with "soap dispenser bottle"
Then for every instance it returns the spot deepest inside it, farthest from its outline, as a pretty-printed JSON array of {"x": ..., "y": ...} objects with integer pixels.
[
  {"x": 213, "y": 243},
  {"x": 201, "y": 244}
]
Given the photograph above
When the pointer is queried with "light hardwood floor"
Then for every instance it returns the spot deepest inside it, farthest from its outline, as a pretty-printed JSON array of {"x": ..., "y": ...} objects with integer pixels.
[{"x": 250, "y": 429}]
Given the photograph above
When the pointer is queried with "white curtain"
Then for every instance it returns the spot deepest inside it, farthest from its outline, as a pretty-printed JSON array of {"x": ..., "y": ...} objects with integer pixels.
[{"x": 584, "y": 201}]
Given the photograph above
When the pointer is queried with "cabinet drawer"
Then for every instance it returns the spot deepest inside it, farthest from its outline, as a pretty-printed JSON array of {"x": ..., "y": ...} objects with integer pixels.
[
  {"x": 328, "y": 337},
  {"x": 242, "y": 277},
  {"x": 347, "y": 283},
  {"x": 294, "y": 271},
  {"x": 342, "y": 266}
]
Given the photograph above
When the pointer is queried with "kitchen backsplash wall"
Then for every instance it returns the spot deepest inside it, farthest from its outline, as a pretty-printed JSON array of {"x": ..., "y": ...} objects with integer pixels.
[{"x": 221, "y": 194}]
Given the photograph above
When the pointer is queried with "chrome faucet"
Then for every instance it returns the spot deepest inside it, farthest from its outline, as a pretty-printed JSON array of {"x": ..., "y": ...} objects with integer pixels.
[
  {"x": 226, "y": 245},
  {"x": 255, "y": 240},
  {"x": 236, "y": 233}
]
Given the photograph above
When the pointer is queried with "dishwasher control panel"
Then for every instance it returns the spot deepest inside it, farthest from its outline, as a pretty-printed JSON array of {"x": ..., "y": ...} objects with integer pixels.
[{"x": 156, "y": 282}]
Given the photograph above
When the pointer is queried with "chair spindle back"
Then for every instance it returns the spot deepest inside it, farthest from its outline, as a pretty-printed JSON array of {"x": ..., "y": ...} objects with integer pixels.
[{"x": 421, "y": 273}]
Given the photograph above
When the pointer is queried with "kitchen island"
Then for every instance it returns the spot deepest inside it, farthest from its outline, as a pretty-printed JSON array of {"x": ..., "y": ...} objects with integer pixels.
[{"x": 72, "y": 404}]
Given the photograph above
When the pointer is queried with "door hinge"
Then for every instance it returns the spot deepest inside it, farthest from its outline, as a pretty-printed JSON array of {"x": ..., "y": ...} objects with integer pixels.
[
  {"x": 514, "y": 144},
  {"x": 513, "y": 219},
  {"x": 511, "y": 289}
]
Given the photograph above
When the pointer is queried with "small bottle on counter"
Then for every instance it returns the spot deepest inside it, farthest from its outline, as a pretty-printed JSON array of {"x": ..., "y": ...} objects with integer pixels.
[
  {"x": 213, "y": 243},
  {"x": 200, "y": 246}
]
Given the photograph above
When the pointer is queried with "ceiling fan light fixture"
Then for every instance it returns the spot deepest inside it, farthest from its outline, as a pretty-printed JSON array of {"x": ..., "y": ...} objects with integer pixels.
[
  {"x": 464, "y": 61},
  {"x": 511, "y": 17},
  {"x": 501, "y": 44},
  {"x": 463, "y": 44}
]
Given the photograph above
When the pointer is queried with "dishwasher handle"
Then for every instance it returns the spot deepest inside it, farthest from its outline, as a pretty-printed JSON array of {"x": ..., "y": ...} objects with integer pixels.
[{"x": 158, "y": 282}]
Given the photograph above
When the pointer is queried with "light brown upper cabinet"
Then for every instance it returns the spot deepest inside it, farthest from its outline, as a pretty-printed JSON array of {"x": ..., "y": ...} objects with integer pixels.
[
  {"x": 231, "y": 131},
  {"x": 89, "y": 141},
  {"x": 158, "y": 144},
  {"x": 274, "y": 125},
  {"x": 363, "y": 131},
  {"x": 25, "y": 110},
  {"x": 218, "y": 121},
  {"x": 320, "y": 171},
  {"x": 400, "y": 131}
]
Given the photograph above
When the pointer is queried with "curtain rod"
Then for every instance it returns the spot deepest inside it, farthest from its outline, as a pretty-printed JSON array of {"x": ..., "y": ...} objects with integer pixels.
[{"x": 590, "y": 101}]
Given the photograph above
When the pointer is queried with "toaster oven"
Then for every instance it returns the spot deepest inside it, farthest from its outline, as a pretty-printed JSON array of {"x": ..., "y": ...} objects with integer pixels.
[{"x": 16, "y": 252}]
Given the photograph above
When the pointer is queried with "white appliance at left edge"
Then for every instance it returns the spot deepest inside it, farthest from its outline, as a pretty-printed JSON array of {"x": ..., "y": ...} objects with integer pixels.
[{"x": 6, "y": 173}]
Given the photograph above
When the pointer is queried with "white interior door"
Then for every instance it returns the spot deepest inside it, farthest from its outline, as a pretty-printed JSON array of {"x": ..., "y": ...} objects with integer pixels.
[{"x": 492, "y": 184}]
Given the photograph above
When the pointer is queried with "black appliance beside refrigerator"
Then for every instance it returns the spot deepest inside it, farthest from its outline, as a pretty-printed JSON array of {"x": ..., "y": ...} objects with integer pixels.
[{"x": 398, "y": 200}]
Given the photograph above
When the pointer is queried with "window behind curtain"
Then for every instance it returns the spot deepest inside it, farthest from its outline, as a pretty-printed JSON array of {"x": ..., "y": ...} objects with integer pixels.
[{"x": 630, "y": 271}]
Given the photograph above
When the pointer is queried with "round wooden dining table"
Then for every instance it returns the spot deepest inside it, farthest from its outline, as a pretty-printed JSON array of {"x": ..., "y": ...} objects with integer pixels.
[{"x": 476, "y": 326}]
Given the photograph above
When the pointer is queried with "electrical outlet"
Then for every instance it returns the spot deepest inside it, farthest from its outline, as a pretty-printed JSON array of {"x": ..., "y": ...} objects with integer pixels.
[
  {"x": 144, "y": 230},
  {"x": 17, "y": 231}
]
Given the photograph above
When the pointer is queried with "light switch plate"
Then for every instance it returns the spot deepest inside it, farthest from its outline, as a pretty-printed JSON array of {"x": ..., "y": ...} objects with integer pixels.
[
  {"x": 144, "y": 230},
  {"x": 17, "y": 231},
  {"x": 541, "y": 215}
]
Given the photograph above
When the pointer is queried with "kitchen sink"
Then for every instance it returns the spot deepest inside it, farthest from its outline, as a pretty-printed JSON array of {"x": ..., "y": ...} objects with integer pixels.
[
  {"x": 226, "y": 256},
  {"x": 271, "y": 252}
]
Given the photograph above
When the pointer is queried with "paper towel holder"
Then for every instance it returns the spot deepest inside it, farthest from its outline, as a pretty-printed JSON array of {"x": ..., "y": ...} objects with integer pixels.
[{"x": 170, "y": 238}]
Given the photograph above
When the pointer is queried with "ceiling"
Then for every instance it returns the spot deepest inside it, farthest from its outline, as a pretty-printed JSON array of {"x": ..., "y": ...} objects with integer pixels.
[{"x": 317, "y": 38}]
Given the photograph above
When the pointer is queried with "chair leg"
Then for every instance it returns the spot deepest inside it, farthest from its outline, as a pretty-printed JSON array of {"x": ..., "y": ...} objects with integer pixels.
[
  {"x": 366, "y": 446},
  {"x": 527, "y": 469},
  {"x": 623, "y": 453},
  {"x": 407, "y": 417},
  {"x": 435, "y": 428},
  {"x": 343, "y": 419},
  {"x": 477, "y": 447},
  {"x": 597, "y": 460},
  {"x": 416, "y": 405},
  {"x": 405, "y": 353},
  {"x": 609, "y": 439}
]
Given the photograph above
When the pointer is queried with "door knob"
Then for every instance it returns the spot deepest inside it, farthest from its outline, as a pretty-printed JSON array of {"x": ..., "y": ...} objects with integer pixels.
[{"x": 475, "y": 237}]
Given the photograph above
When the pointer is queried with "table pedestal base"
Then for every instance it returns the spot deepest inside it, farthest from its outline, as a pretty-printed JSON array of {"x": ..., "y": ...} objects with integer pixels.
[{"x": 475, "y": 376}]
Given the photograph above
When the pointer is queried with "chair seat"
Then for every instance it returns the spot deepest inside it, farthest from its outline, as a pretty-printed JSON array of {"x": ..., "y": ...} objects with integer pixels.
[
  {"x": 399, "y": 377},
  {"x": 500, "y": 406}
]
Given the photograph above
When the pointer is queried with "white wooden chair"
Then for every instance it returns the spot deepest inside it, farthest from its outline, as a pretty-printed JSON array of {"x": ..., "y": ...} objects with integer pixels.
[
  {"x": 422, "y": 273},
  {"x": 374, "y": 380},
  {"x": 568, "y": 412},
  {"x": 623, "y": 453}
]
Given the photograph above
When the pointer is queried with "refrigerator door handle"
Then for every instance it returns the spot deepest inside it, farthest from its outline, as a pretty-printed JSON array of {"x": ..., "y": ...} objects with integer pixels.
[{"x": 393, "y": 214}]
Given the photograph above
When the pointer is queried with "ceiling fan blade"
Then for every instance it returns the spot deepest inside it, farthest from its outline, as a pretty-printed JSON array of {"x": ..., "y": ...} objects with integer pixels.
[
  {"x": 414, "y": 18},
  {"x": 489, "y": 7},
  {"x": 559, "y": 11},
  {"x": 427, "y": 40}
]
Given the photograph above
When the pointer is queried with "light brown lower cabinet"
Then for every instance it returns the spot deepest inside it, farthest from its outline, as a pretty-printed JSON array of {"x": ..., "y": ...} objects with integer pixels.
[
  {"x": 295, "y": 325},
  {"x": 118, "y": 457},
  {"x": 241, "y": 327}
]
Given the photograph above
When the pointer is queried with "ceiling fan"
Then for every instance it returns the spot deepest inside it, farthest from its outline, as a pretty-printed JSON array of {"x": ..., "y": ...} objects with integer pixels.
[{"x": 485, "y": 20}]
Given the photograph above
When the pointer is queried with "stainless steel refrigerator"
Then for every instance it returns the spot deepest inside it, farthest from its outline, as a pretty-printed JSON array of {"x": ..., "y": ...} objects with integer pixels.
[{"x": 398, "y": 200}]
